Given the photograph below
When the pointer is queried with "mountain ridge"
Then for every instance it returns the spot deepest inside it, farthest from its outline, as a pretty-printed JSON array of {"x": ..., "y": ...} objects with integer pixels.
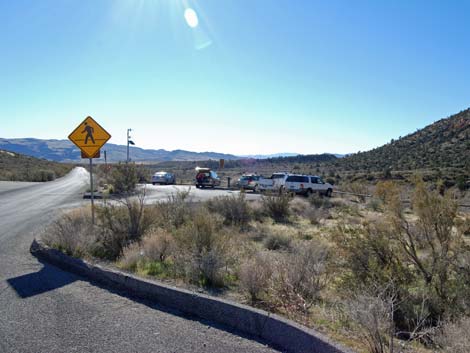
[
  {"x": 66, "y": 151},
  {"x": 442, "y": 144}
]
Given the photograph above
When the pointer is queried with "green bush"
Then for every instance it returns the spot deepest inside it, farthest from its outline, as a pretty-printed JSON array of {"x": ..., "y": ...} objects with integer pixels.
[
  {"x": 122, "y": 225},
  {"x": 277, "y": 206},
  {"x": 124, "y": 178},
  {"x": 277, "y": 241},
  {"x": 203, "y": 250},
  {"x": 426, "y": 258},
  {"x": 175, "y": 211},
  {"x": 234, "y": 209}
]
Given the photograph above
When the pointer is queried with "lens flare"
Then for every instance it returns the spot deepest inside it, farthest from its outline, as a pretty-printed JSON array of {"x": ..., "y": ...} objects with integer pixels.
[{"x": 191, "y": 18}]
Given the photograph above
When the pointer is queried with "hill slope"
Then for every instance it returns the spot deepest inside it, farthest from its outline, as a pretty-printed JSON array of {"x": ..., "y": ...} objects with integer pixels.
[
  {"x": 17, "y": 167},
  {"x": 65, "y": 151},
  {"x": 443, "y": 144}
]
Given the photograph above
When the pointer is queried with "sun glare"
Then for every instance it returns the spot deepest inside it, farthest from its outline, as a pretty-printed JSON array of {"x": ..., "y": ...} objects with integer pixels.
[{"x": 191, "y": 18}]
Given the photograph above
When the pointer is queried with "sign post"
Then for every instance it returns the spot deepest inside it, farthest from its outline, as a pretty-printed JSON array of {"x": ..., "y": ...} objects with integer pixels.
[
  {"x": 92, "y": 192},
  {"x": 89, "y": 136}
]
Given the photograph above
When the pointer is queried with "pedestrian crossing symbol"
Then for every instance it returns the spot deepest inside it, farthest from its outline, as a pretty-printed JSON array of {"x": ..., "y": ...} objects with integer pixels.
[{"x": 89, "y": 136}]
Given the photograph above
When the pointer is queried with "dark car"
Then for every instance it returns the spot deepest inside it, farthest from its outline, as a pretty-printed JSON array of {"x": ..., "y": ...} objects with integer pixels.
[{"x": 206, "y": 178}]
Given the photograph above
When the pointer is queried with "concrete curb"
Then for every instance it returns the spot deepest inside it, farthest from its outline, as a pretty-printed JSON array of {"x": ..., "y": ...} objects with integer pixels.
[{"x": 275, "y": 330}]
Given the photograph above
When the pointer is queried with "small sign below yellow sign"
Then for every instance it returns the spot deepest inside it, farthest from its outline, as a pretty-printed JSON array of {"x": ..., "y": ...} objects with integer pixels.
[
  {"x": 97, "y": 155},
  {"x": 89, "y": 136}
]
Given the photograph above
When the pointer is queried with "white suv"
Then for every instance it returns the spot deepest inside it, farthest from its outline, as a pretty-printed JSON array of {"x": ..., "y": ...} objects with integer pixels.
[{"x": 307, "y": 185}]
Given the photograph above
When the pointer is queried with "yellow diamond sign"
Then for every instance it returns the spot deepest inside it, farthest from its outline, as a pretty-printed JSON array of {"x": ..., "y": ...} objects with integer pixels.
[{"x": 89, "y": 136}]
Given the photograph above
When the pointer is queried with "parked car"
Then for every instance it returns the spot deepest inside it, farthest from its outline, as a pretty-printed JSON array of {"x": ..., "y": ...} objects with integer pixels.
[
  {"x": 206, "y": 177},
  {"x": 274, "y": 183},
  {"x": 307, "y": 185},
  {"x": 163, "y": 178},
  {"x": 249, "y": 182}
]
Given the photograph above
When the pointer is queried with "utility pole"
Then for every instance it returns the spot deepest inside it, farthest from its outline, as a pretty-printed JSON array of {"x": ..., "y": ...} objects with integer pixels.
[{"x": 129, "y": 142}]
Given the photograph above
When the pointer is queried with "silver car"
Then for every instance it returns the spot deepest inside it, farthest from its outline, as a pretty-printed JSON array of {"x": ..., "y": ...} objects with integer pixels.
[
  {"x": 249, "y": 182},
  {"x": 163, "y": 178}
]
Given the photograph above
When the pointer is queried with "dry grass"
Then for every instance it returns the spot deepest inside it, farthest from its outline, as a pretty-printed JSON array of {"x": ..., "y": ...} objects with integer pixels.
[
  {"x": 72, "y": 233},
  {"x": 454, "y": 336},
  {"x": 287, "y": 255}
]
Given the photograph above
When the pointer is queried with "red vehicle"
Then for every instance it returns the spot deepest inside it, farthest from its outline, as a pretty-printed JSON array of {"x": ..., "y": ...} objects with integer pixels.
[{"x": 206, "y": 178}]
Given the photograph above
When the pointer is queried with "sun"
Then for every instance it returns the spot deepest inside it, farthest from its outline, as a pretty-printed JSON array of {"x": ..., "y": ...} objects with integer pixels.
[{"x": 191, "y": 18}]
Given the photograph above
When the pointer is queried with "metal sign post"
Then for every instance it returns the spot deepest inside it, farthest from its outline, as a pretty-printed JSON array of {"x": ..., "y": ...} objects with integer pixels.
[
  {"x": 89, "y": 136},
  {"x": 92, "y": 193}
]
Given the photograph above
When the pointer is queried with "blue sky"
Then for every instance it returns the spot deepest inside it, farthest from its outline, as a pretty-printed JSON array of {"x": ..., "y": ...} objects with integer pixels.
[{"x": 255, "y": 76}]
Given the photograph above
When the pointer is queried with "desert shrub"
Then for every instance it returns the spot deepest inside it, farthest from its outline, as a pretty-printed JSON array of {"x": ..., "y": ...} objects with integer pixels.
[
  {"x": 375, "y": 204},
  {"x": 298, "y": 277},
  {"x": 203, "y": 255},
  {"x": 254, "y": 275},
  {"x": 234, "y": 209},
  {"x": 175, "y": 211},
  {"x": 359, "y": 189},
  {"x": 122, "y": 225},
  {"x": 277, "y": 241},
  {"x": 426, "y": 258},
  {"x": 463, "y": 226},
  {"x": 454, "y": 337},
  {"x": 316, "y": 215},
  {"x": 131, "y": 257},
  {"x": 302, "y": 208},
  {"x": 388, "y": 192},
  {"x": 124, "y": 178},
  {"x": 462, "y": 184},
  {"x": 72, "y": 233},
  {"x": 307, "y": 269},
  {"x": 157, "y": 245},
  {"x": 373, "y": 315},
  {"x": 318, "y": 201},
  {"x": 366, "y": 255},
  {"x": 277, "y": 206},
  {"x": 259, "y": 231},
  {"x": 44, "y": 175},
  {"x": 299, "y": 205}
]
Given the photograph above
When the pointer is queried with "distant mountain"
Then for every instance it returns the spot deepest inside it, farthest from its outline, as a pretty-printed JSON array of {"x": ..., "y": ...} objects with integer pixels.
[
  {"x": 287, "y": 154},
  {"x": 65, "y": 151},
  {"x": 265, "y": 156},
  {"x": 443, "y": 144}
]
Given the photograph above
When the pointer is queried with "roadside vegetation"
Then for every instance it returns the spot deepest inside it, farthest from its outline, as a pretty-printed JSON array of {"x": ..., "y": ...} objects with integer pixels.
[
  {"x": 17, "y": 167},
  {"x": 372, "y": 274}
]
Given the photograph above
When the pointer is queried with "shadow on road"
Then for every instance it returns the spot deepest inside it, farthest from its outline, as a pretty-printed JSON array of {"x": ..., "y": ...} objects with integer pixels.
[
  {"x": 51, "y": 277},
  {"x": 45, "y": 280}
]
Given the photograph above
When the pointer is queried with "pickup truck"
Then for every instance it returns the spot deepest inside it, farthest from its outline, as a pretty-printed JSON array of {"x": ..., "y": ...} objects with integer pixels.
[
  {"x": 307, "y": 185},
  {"x": 274, "y": 183}
]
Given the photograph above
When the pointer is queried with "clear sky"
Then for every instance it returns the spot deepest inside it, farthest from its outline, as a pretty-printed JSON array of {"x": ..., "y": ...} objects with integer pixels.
[{"x": 245, "y": 77}]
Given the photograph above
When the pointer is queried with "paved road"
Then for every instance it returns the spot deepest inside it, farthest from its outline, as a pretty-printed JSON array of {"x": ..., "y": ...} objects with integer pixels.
[
  {"x": 14, "y": 185},
  {"x": 44, "y": 309},
  {"x": 162, "y": 192}
]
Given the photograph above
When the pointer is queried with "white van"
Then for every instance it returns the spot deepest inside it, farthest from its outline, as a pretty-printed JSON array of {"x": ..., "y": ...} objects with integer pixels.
[{"x": 307, "y": 185}]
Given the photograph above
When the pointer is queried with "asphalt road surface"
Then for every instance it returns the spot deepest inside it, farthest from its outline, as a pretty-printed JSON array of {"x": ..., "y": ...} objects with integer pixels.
[
  {"x": 162, "y": 192},
  {"x": 44, "y": 309}
]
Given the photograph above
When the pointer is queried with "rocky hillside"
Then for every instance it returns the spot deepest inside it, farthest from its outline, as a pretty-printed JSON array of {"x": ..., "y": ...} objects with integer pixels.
[
  {"x": 442, "y": 145},
  {"x": 17, "y": 167}
]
